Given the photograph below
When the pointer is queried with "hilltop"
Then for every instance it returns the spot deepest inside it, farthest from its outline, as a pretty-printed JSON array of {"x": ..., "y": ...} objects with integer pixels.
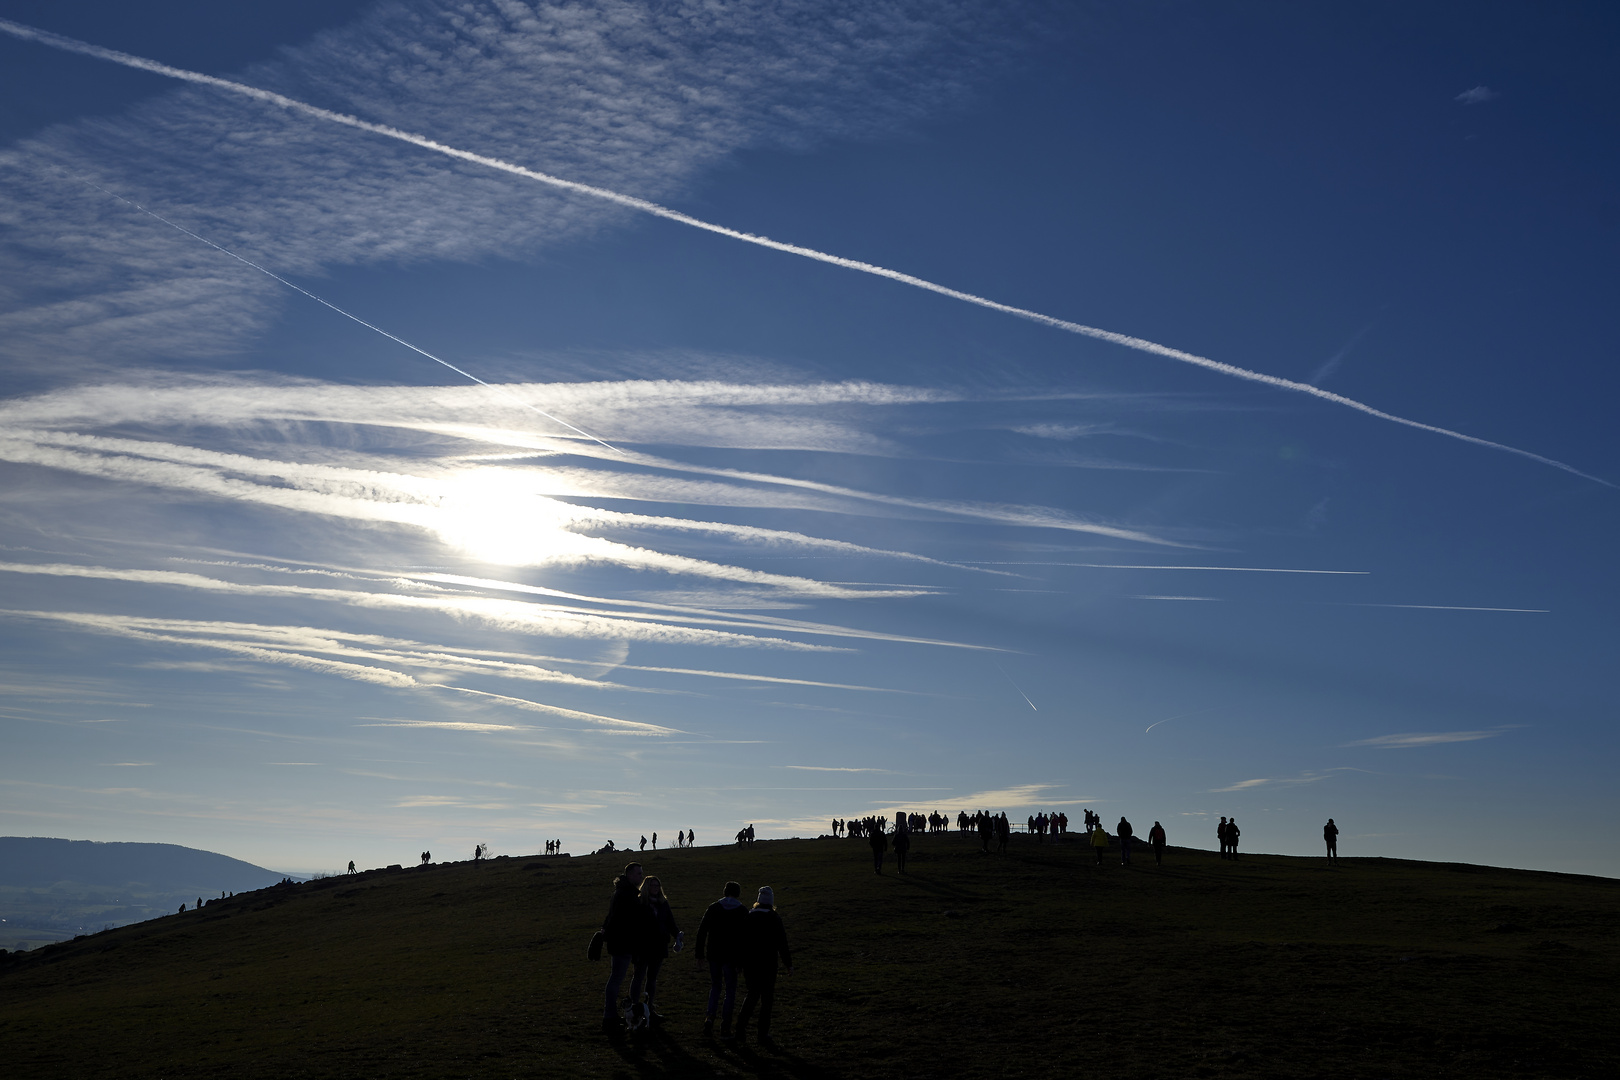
[
  {"x": 51, "y": 889},
  {"x": 1035, "y": 962}
]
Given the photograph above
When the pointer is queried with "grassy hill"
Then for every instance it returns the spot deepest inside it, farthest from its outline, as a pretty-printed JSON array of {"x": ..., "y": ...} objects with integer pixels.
[
  {"x": 1033, "y": 963},
  {"x": 53, "y": 889}
]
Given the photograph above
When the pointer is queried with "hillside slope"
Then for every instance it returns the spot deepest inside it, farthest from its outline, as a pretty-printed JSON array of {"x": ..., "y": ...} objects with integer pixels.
[{"x": 1031, "y": 963}]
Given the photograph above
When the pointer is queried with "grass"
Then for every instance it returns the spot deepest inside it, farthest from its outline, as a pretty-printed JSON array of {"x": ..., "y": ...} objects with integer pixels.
[{"x": 1031, "y": 963}]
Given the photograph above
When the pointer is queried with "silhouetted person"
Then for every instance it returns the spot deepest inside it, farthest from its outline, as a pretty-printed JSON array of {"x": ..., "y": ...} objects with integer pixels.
[
  {"x": 1099, "y": 841},
  {"x": 1220, "y": 834},
  {"x": 720, "y": 943},
  {"x": 1330, "y": 833},
  {"x": 655, "y": 841},
  {"x": 1156, "y": 838},
  {"x": 351, "y": 866},
  {"x": 765, "y": 939},
  {"x": 658, "y": 932},
  {"x": 1232, "y": 834},
  {"x": 643, "y": 843},
  {"x": 623, "y": 926},
  {"x": 182, "y": 909},
  {"x": 199, "y": 899},
  {"x": 879, "y": 842},
  {"x": 902, "y": 844},
  {"x": 1126, "y": 834}
]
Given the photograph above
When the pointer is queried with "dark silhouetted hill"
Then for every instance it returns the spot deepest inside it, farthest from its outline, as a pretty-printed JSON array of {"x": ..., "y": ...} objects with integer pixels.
[{"x": 1036, "y": 962}]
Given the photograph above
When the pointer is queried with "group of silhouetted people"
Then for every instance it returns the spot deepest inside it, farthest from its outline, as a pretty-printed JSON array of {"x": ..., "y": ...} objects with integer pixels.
[
  {"x": 1227, "y": 832},
  {"x": 640, "y": 932},
  {"x": 1043, "y": 823}
]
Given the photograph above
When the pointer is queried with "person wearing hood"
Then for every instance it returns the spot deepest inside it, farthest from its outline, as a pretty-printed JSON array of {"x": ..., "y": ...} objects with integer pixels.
[
  {"x": 765, "y": 940},
  {"x": 720, "y": 945},
  {"x": 624, "y": 928}
]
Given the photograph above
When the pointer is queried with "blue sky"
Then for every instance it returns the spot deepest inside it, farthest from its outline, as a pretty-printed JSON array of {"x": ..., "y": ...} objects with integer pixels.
[{"x": 278, "y": 586}]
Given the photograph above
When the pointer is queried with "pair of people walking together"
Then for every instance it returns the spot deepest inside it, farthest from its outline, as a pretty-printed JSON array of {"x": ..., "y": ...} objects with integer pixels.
[{"x": 638, "y": 930}]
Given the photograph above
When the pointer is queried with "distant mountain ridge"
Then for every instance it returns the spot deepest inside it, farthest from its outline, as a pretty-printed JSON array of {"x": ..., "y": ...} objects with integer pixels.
[
  {"x": 37, "y": 862},
  {"x": 51, "y": 889}
]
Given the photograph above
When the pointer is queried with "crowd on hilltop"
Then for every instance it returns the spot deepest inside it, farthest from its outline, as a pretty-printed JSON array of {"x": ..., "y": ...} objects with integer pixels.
[{"x": 994, "y": 830}]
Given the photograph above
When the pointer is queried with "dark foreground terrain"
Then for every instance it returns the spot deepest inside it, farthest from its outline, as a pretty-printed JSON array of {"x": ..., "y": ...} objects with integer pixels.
[{"x": 1033, "y": 963}]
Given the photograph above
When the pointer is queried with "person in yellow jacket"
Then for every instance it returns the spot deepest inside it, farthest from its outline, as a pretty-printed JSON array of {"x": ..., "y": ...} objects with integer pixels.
[{"x": 1099, "y": 842}]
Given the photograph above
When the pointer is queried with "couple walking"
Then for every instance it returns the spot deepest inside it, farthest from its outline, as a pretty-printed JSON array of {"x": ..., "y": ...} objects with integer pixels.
[
  {"x": 733, "y": 938},
  {"x": 638, "y": 929}
]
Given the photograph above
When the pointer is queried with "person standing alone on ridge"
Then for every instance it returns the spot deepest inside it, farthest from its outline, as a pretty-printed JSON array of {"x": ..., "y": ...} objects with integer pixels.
[
  {"x": 1156, "y": 838},
  {"x": 1330, "y": 833},
  {"x": 766, "y": 940}
]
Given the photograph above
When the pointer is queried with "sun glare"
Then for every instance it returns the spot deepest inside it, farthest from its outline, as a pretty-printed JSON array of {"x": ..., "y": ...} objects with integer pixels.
[{"x": 495, "y": 516}]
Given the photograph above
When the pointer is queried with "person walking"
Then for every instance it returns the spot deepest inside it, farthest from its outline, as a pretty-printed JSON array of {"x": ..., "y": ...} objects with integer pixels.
[
  {"x": 720, "y": 944},
  {"x": 1099, "y": 842},
  {"x": 658, "y": 931},
  {"x": 1156, "y": 838},
  {"x": 879, "y": 841},
  {"x": 1232, "y": 834},
  {"x": 622, "y": 928},
  {"x": 765, "y": 939},
  {"x": 902, "y": 844},
  {"x": 1330, "y": 833},
  {"x": 1125, "y": 834}
]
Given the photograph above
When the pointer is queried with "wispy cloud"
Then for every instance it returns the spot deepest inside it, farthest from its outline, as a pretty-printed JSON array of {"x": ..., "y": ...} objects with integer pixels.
[
  {"x": 632, "y": 727},
  {"x": 1477, "y": 95},
  {"x": 1154, "y": 566},
  {"x": 1452, "y": 607},
  {"x": 829, "y": 768},
  {"x": 644, "y": 98},
  {"x": 1275, "y": 781},
  {"x": 647, "y": 206},
  {"x": 1411, "y": 740}
]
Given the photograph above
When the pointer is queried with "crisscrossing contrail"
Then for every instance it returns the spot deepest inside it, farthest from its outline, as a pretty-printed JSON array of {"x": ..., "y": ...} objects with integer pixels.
[
  {"x": 350, "y": 315},
  {"x": 58, "y": 41}
]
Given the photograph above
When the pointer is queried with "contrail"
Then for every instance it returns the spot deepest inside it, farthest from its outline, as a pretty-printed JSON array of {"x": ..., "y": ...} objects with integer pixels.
[
  {"x": 1014, "y": 685},
  {"x": 369, "y": 326},
  {"x": 67, "y": 44},
  {"x": 1178, "y": 716}
]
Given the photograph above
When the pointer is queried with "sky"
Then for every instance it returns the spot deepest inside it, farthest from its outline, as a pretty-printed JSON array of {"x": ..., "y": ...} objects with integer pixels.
[{"x": 408, "y": 440}]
